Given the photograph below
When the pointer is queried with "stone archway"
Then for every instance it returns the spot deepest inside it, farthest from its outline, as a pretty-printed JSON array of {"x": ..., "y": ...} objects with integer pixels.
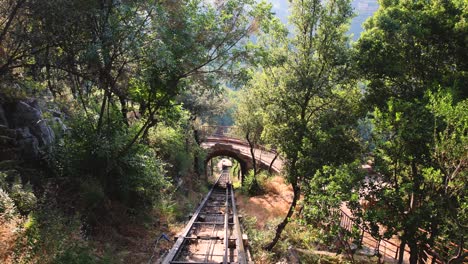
[
  {"x": 244, "y": 162},
  {"x": 240, "y": 151}
]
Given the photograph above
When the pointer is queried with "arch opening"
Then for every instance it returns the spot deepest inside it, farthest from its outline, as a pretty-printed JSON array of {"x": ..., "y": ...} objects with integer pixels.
[{"x": 244, "y": 166}]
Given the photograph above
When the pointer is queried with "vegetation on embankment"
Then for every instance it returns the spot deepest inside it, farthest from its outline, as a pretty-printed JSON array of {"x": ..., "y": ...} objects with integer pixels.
[
  {"x": 76, "y": 215},
  {"x": 125, "y": 86},
  {"x": 395, "y": 99},
  {"x": 300, "y": 242}
]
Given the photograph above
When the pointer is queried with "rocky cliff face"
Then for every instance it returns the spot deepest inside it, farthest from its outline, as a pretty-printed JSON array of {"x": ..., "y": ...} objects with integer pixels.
[{"x": 24, "y": 133}]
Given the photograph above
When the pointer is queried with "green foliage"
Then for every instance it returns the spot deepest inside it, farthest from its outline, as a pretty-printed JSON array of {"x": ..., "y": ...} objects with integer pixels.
[
  {"x": 171, "y": 145},
  {"x": 412, "y": 47},
  {"x": 50, "y": 236},
  {"x": 254, "y": 183},
  {"x": 7, "y": 207},
  {"x": 23, "y": 196},
  {"x": 411, "y": 57},
  {"x": 258, "y": 237},
  {"x": 136, "y": 178},
  {"x": 230, "y": 103},
  {"x": 92, "y": 194},
  {"x": 16, "y": 196},
  {"x": 309, "y": 100},
  {"x": 327, "y": 191},
  {"x": 79, "y": 255},
  {"x": 421, "y": 165}
]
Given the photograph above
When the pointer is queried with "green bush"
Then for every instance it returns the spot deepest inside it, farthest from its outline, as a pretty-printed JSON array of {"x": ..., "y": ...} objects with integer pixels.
[
  {"x": 91, "y": 194},
  {"x": 15, "y": 196},
  {"x": 170, "y": 144},
  {"x": 254, "y": 185},
  {"x": 23, "y": 196},
  {"x": 104, "y": 168},
  {"x": 76, "y": 254},
  {"x": 7, "y": 207}
]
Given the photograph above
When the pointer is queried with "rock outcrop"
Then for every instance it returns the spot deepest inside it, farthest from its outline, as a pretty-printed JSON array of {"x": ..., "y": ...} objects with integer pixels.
[{"x": 24, "y": 133}]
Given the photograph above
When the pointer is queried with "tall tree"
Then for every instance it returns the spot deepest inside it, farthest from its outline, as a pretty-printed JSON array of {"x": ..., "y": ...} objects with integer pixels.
[
  {"x": 249, "y": 121},
  {"x": 140, "y": 54},
  {"x": 311, "y": 99},
  {"x": 408, "y": 50},
  {"x": 15, "y": 41}
]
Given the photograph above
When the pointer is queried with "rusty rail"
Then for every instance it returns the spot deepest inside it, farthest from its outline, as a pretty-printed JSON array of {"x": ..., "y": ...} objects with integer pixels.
[{"x": 214, "y": 245}]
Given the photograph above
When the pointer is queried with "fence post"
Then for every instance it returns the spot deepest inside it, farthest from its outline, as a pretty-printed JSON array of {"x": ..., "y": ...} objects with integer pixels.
[{"x": 362, "y": 238}]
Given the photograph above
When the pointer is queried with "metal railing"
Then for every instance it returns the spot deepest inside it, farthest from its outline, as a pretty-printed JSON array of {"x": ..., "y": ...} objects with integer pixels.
[{"x": 391, "y": 250}]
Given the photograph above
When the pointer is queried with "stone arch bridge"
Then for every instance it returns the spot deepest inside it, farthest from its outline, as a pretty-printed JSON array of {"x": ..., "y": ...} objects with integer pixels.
[{"x": 221, "y": 141}]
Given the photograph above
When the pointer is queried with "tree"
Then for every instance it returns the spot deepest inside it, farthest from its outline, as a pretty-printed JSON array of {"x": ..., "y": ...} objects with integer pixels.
[
  {"x": 15, "y": 46},
  {"x": 311, "y": 103},
  {"x": 408, "y": 52},
  {"x": 203, "y": 103},
  {"x": 249, "y": 121},
  {"x": 409, "y": 47},
  {"x": 139, "y": 55},
  {"x": 449, "y": 176},
  {"x": 123, "y": 65}
]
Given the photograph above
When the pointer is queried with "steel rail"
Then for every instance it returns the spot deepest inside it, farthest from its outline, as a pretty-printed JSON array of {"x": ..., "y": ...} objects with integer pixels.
[
  {"x": 205, "y": 225},
  {"x": 180, "y": 240},
  {"x": 226, "y": 227},
  {"x": 241, "y": 254}
]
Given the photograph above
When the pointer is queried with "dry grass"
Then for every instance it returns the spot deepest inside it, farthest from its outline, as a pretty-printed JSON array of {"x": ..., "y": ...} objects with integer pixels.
[
  {"x": 273, "y": 204},
  {"x": 8, "y": 238}
]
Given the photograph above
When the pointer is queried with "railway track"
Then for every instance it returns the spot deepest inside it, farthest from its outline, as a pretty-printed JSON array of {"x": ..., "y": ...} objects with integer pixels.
[{"x": 213, "y": 234}]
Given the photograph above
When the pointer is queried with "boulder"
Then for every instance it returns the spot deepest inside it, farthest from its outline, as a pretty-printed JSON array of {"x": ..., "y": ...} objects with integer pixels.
[
  {"x": 24, "y": 132},
  {"x": 29, "y": 115},
  {"x": 28, "y": 144}
]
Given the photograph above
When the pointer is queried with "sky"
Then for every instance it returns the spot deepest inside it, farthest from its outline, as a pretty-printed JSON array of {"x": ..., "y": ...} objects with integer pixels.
[{"x": 362, "y": 8}]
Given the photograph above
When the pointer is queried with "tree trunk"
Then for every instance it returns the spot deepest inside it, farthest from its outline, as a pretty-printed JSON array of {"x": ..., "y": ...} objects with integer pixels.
[
  {"x": 252, "y": 153},
  {"x": 414, "y": 252},
  {"x": 254, "y": 188},
  {"x": 196, "y": 159},
  {"x": 102, "y": 112},
  {"x": 211, "y": 167},
  {"x": 401, "y": 252},
  {"x": 282, "y": 225},
  {"x": 124, "y": 109},
  {"x": 272, "y": 161}
]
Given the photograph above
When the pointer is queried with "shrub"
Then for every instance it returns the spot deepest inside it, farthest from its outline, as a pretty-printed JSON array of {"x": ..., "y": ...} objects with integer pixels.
[
  {"x": 96, "y": 163},
  {"x": 254, "y": 185},
  {"x": 77, "y": 254},
  {"x": 23, "y": 196},
  {"x": 170, "y": 144},
  {"x": 7, "y": 207},
  {"x": 15, "y": 196}
]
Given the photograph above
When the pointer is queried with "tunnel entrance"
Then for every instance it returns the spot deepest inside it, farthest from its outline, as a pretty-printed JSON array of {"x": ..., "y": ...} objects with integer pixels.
[{"x": 215, "y": 164}]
